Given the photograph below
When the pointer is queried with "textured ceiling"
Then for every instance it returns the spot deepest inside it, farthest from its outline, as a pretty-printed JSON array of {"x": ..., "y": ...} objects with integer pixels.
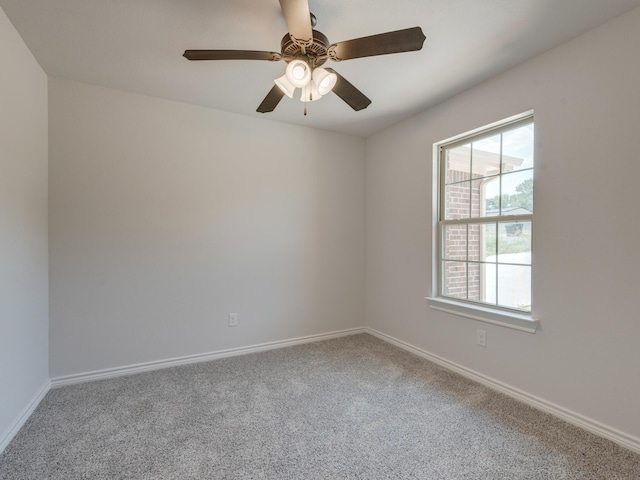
[{"x": 137, "y": 46}]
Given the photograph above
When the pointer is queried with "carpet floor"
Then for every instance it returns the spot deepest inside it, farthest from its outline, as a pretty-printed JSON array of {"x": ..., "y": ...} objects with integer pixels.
[{"x": 351, "y": 408}]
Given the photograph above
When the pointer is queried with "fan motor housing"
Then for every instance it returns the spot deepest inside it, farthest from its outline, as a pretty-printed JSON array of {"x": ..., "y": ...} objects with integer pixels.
[{"x": 317, "y": 50}]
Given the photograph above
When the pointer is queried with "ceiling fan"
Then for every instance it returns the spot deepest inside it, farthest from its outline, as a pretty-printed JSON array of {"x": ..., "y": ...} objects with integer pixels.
[{"x": 305, "y": 50}]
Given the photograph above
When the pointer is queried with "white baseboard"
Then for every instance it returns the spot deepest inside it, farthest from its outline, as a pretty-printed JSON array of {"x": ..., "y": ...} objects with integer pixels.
[
  {"x": 24, "y": 415},
  {"x": 597, "y": 428},
  {"x": 203, "y": 357}
]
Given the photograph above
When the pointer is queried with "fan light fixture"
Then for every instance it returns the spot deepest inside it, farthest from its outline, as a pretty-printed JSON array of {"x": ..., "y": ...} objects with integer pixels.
[
  {"x": 310, "y": 93},
  {"x": 324, "y": 80},
  {"x": 314, "y": 84},
  {"x": 285, "y": 85},
  {"x": 298, "y": 73}
]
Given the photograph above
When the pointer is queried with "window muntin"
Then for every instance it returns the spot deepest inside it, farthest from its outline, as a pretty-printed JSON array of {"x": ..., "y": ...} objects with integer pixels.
[{"x": 486, "y": 215}]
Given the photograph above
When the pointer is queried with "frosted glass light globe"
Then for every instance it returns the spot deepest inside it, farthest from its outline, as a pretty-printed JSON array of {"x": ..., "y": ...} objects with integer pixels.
[{"x": 298, "y": 73}]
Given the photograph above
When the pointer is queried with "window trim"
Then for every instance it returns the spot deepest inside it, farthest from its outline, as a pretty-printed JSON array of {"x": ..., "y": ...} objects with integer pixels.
[
  {"x": 493, "y": 315},
  {"x": 485, "y": 313}
]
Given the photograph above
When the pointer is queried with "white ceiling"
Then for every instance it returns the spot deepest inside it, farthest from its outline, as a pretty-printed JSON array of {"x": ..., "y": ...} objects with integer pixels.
[{"x": 137, "y": 46}]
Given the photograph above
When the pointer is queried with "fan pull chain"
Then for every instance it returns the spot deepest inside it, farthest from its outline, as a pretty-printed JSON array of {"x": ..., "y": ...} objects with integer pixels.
[{"x": 313, "y": 66}]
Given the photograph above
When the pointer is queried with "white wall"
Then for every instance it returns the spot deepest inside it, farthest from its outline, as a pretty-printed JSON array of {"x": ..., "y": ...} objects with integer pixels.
[
  {"x": 23, "y": 230},
  {"x": 165, "y": 217},
  {"x": 585, "y": 357}
]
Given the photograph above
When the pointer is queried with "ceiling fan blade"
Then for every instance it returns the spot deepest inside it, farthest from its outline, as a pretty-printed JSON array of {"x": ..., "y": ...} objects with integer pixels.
[
  {"x": 296, "y": 14},
  {"x": 407, "y": 40},
  {"x": 350, "y": 94},
  {"x": 271, "y": 101},
  {"x": 231, "y": 55}
]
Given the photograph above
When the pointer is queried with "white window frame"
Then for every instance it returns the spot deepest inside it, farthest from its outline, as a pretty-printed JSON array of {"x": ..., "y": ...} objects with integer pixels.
[{"x": 496, "y": 315}]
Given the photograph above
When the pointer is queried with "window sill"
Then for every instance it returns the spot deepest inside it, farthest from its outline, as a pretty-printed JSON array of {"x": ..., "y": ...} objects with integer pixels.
[{"x": 522, "y": 322}]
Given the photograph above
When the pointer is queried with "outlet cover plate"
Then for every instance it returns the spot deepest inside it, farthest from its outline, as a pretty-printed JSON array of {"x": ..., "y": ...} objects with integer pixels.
[{"x": 481, "y": 338}]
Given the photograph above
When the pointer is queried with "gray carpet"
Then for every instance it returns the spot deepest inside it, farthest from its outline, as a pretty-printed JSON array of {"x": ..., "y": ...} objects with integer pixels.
[{"x": 354, "y": 407}]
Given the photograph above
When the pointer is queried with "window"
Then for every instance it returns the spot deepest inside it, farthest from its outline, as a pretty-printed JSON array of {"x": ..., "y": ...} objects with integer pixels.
[{"x": 485, "y": 223}]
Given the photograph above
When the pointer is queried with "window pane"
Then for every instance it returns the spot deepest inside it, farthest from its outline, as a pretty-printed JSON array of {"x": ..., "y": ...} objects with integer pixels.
[
  {"x": 474, "y": 286},
  {"x": 455, "y": 279},
  {"x": 474, "y": 239},
  {"x": 482, "y": 242},
  {"x": 517, "y": 193},
  {"x": 514, "y": 243},
  {"x": 485, "y": 159},
  {"x": 487, "y": 293},
  {"x": 517, "y": 149},
  {"x": 455, "y": 242},
  {"x": 458, "y": 164},
  {"x": 457, "y": 200},
  {"x": 477, "y": 207},
  {"x": 489, "y": 196},
  {"x": 514, "y": 287}
]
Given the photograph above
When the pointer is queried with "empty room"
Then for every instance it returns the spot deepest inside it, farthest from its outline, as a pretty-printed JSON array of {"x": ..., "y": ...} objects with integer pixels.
[{"x": 314, "y": 239}]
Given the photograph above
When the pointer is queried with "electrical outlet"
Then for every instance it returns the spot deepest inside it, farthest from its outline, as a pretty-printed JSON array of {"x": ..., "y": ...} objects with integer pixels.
[
  {"x": 233, "y": 319},
  {"x": 481, "y": 338}
]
